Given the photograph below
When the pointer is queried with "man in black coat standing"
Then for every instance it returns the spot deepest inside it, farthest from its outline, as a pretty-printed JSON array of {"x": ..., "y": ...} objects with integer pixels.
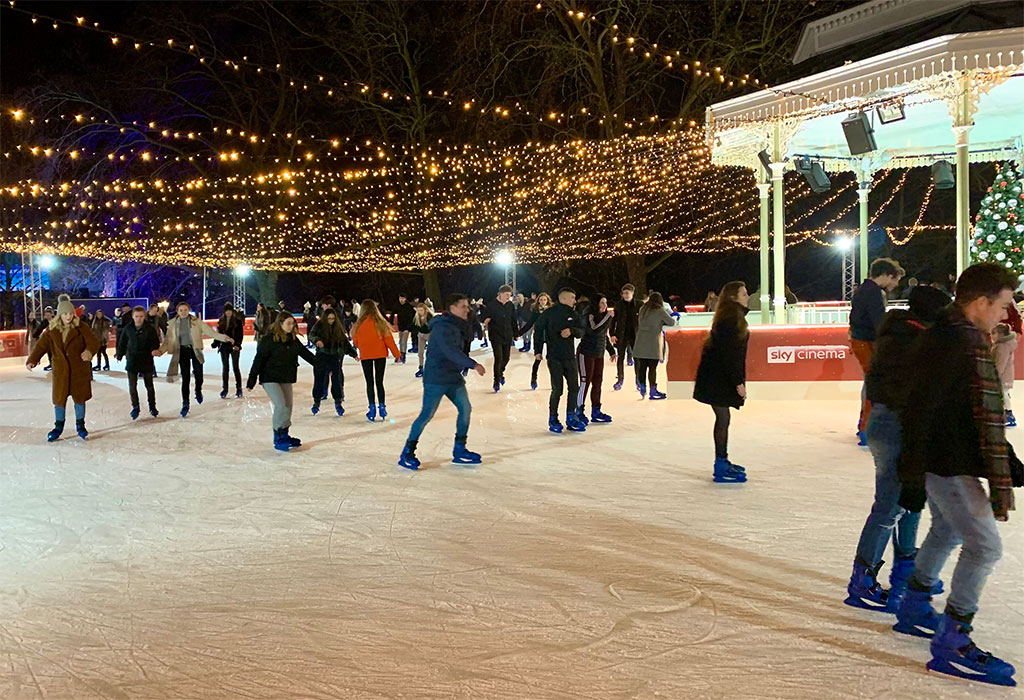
[
  {"x": 404, "y": 315},
  {"x": 139, "y": 343},
  {"x": 627, "y": 320},
  {"x": 502, "y": 324},
  {"x": 558, "y": 327}
]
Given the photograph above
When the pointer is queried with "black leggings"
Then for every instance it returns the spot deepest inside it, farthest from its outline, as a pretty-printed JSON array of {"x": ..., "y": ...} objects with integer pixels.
[
  {"x": 229, "y": 358},
  {"x": 533, "y": 375},
  {"x": 102, "y": 353},
  {"x": 646, "y": 372},
  {"x": 373, "y": 371},
  {"x": 722, "y": 418}
]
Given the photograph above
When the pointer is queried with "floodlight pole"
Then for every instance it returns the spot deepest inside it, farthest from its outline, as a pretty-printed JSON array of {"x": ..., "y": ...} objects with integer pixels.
[
  {"x": 963, "y": 202},
  {"x": 204, "y": 292}
]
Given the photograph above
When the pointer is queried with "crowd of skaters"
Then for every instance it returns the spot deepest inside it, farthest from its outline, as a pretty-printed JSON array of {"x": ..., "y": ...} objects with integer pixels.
[{"x": 938, "y": 376}]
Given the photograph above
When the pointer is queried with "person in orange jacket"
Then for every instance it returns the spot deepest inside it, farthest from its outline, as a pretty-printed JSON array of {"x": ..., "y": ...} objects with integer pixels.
[{"x": 371, "y": 335}]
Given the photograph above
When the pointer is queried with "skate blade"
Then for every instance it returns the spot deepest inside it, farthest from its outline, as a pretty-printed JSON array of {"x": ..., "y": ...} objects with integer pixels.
[
  {"x": 950, "y": 668},
  {"x": 413, "y": 467},
  {"x": 730, "y": 480},
  {"x": 913, "y": 630},
  {"x": 856, "y": 602}
]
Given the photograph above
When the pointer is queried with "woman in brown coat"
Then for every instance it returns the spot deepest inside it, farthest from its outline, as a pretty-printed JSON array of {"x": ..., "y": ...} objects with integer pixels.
[{"x": 72, "y": 345}]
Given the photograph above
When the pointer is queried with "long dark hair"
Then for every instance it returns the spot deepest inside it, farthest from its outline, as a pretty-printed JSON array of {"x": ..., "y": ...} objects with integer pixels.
[
  {"x": 654, "y": 301},
  {"x": 729, "y": 310},
  {"x": 224, "y": 324},
  {"x": 337, "y": 329}
]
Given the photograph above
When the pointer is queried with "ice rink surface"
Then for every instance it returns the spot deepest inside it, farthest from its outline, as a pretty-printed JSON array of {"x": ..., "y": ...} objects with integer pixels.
[{"x": 175, "y": 558}]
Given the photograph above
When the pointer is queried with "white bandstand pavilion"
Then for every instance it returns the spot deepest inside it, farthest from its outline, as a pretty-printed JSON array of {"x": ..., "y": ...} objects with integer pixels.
[{"x": 962, "y": 97}]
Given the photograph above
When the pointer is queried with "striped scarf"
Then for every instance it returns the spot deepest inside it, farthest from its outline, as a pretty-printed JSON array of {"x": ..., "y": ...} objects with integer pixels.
[{"x": 986, "y": 404}]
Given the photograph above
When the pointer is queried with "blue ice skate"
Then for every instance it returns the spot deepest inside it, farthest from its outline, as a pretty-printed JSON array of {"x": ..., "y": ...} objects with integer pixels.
[
  {"x": 954, "y": 653},
  {"x": 864, "y": 591}
]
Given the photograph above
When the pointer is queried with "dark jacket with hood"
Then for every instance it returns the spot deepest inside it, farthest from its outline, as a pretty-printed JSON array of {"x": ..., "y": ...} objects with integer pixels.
[
  {"x": 595, "y": 335},
  {"x": 446, "y": 356},
  {"x": 333, "y": 346},
  {"x": 136, "y": 344},
  {"x": 278, "y": 362},
  {"x": 549, "y": 332},
  {"x": 893, "y": 360},
  {"x": 627, "y": 320},
  {"x": 503, "y": 325}
]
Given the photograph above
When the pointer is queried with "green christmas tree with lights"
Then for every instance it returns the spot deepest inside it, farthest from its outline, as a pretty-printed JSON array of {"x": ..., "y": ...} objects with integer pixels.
[{"x": 999, "y": 227}]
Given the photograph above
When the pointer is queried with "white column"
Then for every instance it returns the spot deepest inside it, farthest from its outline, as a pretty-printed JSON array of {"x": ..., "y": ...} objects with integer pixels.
[
  {"x": 862, "y": 192},
  {"x": 963, "y": 199},
  {"x": 763, "y": 188},
  {"x": 780, "y": 243}
]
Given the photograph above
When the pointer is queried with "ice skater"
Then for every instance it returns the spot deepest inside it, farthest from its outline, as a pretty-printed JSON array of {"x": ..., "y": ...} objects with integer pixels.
[
  {"x": 541, "y": 304},
  {"x": 403, "y": 325},
  {"x": 590, "y": 359},
  {"x": 954, "y": 435},
  {"x": 887, "y": 386},
  {"x": 421, "y": 327},
  {"x": 372, "y": 337},
  {"x": 557, "y": 328},
  {"x": 1004, "y": 345},
  {"x": 332, "y": 344},
  {"x": 867, "y": 309},
  {"x": 442, "y": 377},
  {"x": 722, "y": 375},
  {"x": 502, "y": 323},
  {"x": 101, "y": 326},
  {"x": 626, "y": 321},
  {"x": 184, "y": 339},
  {"x": 276, "y": 368},
  {"x": 233, "y": 326},
  {"x": 71, "y": 345},
  {"x": 652, "y": 319},
  {"x": 138, "y": 344}
]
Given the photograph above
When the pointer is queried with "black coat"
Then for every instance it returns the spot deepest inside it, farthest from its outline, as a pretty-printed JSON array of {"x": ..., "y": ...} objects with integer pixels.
[
  {"x": 595, "y": 336},
  {"x": 940, "y": 435},
  {"x": 888, "y": 379},
  {"x": 723, "y": 365},
  {"x": 627, "y": 320},
  {"x": 404, "y": 315},
  {"x": 549, "y": 332},
  {"x": 278, "y": 362},
  {"x": 137, "y": 344},
  {"x": 503, "y": 323},
  {"x": 233, "y": 327}
]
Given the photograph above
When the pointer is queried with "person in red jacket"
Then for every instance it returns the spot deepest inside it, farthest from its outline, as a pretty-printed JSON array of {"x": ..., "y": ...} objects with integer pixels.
[{"x": 372, "y": 336}]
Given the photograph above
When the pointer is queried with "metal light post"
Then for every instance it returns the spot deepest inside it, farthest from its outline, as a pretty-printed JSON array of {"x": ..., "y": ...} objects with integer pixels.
[
  {"x": 241, "y": 272},
  {"x": 849, "y": 272}
]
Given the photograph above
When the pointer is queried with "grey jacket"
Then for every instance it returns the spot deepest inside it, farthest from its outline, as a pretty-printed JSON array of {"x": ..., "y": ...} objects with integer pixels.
[{"x": 648, "y": 335}]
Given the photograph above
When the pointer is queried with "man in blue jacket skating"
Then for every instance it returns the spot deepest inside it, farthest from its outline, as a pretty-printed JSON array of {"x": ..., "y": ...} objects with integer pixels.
[{"x": 442, "y": 376}]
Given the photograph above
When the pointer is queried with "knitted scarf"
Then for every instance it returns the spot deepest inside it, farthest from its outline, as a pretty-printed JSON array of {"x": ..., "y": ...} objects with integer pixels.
[{"x": 986, "y": 404}]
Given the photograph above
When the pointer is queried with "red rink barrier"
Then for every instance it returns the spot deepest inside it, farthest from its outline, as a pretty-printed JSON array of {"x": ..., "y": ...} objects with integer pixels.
[
  {"x": 12, "y": 343},
  {"x": 782, "y": 354}
]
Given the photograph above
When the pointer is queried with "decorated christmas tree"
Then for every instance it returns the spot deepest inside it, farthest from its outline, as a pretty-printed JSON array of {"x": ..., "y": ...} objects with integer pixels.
[{"x": 999, "y": 227}]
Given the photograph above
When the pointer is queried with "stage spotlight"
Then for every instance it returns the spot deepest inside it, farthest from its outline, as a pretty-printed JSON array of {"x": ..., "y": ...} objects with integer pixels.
[{"x": 814, "y": 174}]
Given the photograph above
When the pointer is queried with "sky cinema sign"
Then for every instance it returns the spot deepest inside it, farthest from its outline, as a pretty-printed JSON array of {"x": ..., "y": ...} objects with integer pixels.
[{"x": 791, "y": 354}]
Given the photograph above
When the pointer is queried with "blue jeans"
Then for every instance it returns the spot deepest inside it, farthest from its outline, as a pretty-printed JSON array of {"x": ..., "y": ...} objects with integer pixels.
[
  {"x": 961, "y": 514},
  {"x": 432, "y": 395},
  {"x": 886, "y": 517}
]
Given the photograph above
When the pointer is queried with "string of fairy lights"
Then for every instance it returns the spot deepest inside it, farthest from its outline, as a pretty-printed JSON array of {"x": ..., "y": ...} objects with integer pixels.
[{"x": 343, "y": 204}]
